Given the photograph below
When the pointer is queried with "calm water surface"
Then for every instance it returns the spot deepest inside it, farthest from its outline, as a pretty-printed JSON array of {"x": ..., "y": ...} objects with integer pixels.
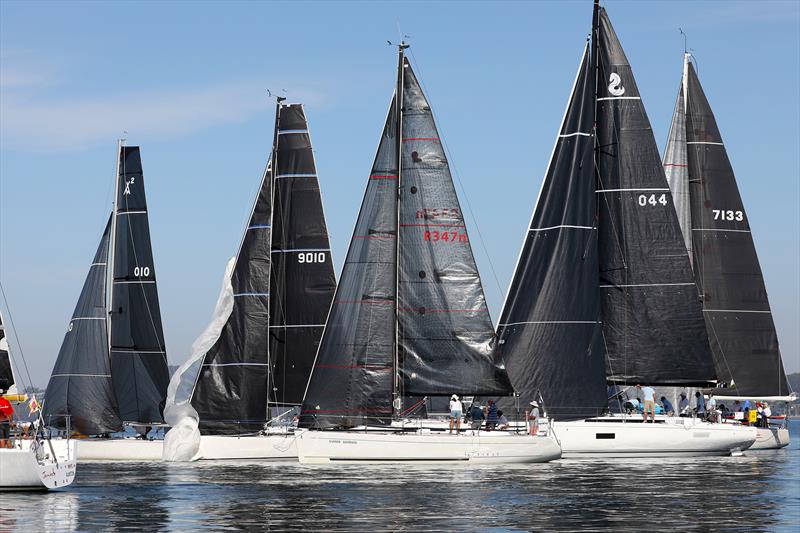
[{"x": 759, "y": 492}]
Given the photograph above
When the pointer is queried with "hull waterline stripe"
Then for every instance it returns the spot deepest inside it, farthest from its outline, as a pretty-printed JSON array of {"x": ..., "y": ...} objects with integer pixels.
[
  {"x": 561, "y": 226},
  {"x": 735, "y": 311},
  {"x": 651, "y": 285}
]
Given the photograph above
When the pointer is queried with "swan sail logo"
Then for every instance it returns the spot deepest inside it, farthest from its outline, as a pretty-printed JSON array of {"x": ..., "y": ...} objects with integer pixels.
[{"x": 615, "y": 85}]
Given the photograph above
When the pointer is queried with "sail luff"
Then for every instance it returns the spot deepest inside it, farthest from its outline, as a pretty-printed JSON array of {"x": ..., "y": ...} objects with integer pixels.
[
  {"x": 397, "y": 392},
  {"x": 735, "y": 301}
]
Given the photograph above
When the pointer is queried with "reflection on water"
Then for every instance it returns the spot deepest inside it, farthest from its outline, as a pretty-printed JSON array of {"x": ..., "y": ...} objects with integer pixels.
[{"x": 759, "y": 492}]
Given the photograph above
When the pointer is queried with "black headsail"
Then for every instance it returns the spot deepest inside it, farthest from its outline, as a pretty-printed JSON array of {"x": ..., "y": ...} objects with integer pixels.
[
  {"x": 230, "y": 395},
  {"x": 409, "y": 315},
  {"x": 282, "y": 285},
  {"x": 549, "y": 330},
  {"x": 652, "y": 318},
  {"x": 6, "y": 372},
  {"x": 138, "y": 353},
  {"x": 735, "y": 304},
  {"x": 81, "y": 386},
  {"x": 302, "y": 282}
]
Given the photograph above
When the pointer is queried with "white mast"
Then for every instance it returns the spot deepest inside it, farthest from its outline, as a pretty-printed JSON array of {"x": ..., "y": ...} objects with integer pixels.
[{"x": 112, "y": 244}]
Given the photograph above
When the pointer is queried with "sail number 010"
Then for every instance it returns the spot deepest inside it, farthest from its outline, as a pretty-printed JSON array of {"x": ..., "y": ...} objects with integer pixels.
[
  {"x": 311, "y": 257},
  {"x": 644, "y": 199},
  {"x": 140, "y": 271}
]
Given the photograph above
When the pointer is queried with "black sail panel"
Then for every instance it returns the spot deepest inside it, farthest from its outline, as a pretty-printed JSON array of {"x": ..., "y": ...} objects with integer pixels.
[
  {"x": 446, "y": 339},
  {"x": 652, "y": 318},
  {"x": 549, "y": 328},
  {"x": 352, "y": 379},
  {"x": 302, "y": 281},
  {"x": 80, "y": 391},
  {"x": 138, "y": 353},
  {"x": 230, "y": 395},
  {"x": 6, "y": 373},
  {"x": 735, "y": 303}
]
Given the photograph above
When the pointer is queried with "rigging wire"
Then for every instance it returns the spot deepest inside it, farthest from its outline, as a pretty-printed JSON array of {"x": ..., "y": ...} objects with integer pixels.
[{"x": 16, "y": 337}]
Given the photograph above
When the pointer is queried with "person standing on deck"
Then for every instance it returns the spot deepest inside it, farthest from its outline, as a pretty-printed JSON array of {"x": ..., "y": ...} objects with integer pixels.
[
  {"x": 491, "y": 415},
  {"x": 700, "y": 404},
  {"x": 6, "y": 417},
  {"x": 711, "y": 408},
  {"x": 683, "y": 405},
  {"x": 649, "y": 403},
  {"x": 456, "y": 411},
  {"x": 532, "y": 418}
]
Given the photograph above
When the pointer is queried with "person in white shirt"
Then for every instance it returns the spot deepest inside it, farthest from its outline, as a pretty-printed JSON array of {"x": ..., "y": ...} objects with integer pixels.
[
  {"x": 456, "y": 412},
  {"x": 711, "y": 408},
  {"x": 532, "y": 417}
]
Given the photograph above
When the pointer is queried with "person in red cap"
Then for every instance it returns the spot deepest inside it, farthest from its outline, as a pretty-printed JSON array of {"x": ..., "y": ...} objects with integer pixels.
[{"x": 6, "y": 415}]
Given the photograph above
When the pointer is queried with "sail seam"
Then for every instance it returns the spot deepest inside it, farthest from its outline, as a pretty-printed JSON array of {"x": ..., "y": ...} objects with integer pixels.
[
  {"x": 552, "y": 322},
  {"x": 259, "y": 226},
  {"x": 287, "y": 132},
  {"x": 300, "y": 326},
  {"x": 235, "y": 364},
  {"x": 631, "y": 190},
  {"x": 81, "y": 375},
  {"x": 576, "y": 134},
  {"x": 619, "y": 98},
  {"x": 721, "y": 229},
  {"x": 282, "y": 176},
  {"x": 132, "y": 212},
  {"x": 136, "y": 351},
  {"x": 705, "y": 142},
  {"x": 88, "y": 318},
  {"x": 301, "y": 250},
  {"x": 650, "y": 285},
  {"x": 735, "y": 311},
  {"x": 251, "y": 294},
  {"x": 134, "y": 281}
]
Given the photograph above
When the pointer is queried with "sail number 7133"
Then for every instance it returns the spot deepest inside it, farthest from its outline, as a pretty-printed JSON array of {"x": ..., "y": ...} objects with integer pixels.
[{"x": 723, "y": 214}]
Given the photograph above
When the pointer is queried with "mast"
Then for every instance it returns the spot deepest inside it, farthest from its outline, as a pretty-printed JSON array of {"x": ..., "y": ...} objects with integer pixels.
[
  {"x": 110, "y": 259},
  {"x": 271, "y": 177},
  {"x": 397, "y": 400}
]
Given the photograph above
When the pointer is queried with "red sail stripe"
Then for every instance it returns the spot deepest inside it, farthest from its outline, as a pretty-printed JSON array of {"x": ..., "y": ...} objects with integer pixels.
[
  {"x": 431, "y": 226},
  {"x": 383, "y": 177}
]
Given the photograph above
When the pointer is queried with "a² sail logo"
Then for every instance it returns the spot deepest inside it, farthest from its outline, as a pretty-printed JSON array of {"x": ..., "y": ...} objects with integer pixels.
[
  {"x": 615, "y": 85},
  {"x": 127, "y": 190}
]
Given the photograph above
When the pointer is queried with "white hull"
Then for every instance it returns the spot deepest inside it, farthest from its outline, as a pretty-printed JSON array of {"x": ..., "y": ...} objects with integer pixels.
[
  {"x": 279, "y": 447},
  {"x": 423, "y": 447},
  {"x": 670, "y": 437},
  {"x": 22, "y": 468},
  {"x": 97, "y": 449},
  {"x": 770, "y": 439}
]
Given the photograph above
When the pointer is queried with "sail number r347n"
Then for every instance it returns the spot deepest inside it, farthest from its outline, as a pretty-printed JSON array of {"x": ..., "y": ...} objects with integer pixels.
[{"x": 446, "y": 236}]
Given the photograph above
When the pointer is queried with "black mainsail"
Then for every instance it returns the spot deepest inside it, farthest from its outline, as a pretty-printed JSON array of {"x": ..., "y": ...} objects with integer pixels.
[
  {"x": 282, "y": 283},
  {"x": 112, "y": 366},
  {"x": 603, "y": 279},
  {"x": 80, "y": 392},
  {"x": 409, "y": 316},
  {"x": 138, "y": 353},
  {"x": 735, "y": 303}
]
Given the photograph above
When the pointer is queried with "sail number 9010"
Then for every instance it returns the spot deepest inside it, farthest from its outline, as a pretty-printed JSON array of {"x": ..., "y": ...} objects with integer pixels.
[
  {"x": 722, "y": 214},
  {"x": 645, "y": 199},
  {"x": 311, "y": 257}
]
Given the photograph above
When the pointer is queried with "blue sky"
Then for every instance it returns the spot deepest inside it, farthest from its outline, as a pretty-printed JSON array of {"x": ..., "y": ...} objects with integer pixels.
[{"x": 188, "y": 82}]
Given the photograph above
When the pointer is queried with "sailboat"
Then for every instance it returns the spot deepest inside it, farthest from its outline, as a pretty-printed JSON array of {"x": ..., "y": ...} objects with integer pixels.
[
  {"x": 409, "y": 317},
  {"x": 111, "y": 371},
  {"x": 603, "y": 293},
  {"x": 717, "y": 236},
  {"x": 237, "y": 394},
  {"x": 32, "y": 461}
]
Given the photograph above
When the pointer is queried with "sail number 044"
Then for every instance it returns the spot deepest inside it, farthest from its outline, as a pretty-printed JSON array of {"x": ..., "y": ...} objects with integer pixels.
[
  {"x": 652, "y": 199},
  {"x": 311, "y": 257}
]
